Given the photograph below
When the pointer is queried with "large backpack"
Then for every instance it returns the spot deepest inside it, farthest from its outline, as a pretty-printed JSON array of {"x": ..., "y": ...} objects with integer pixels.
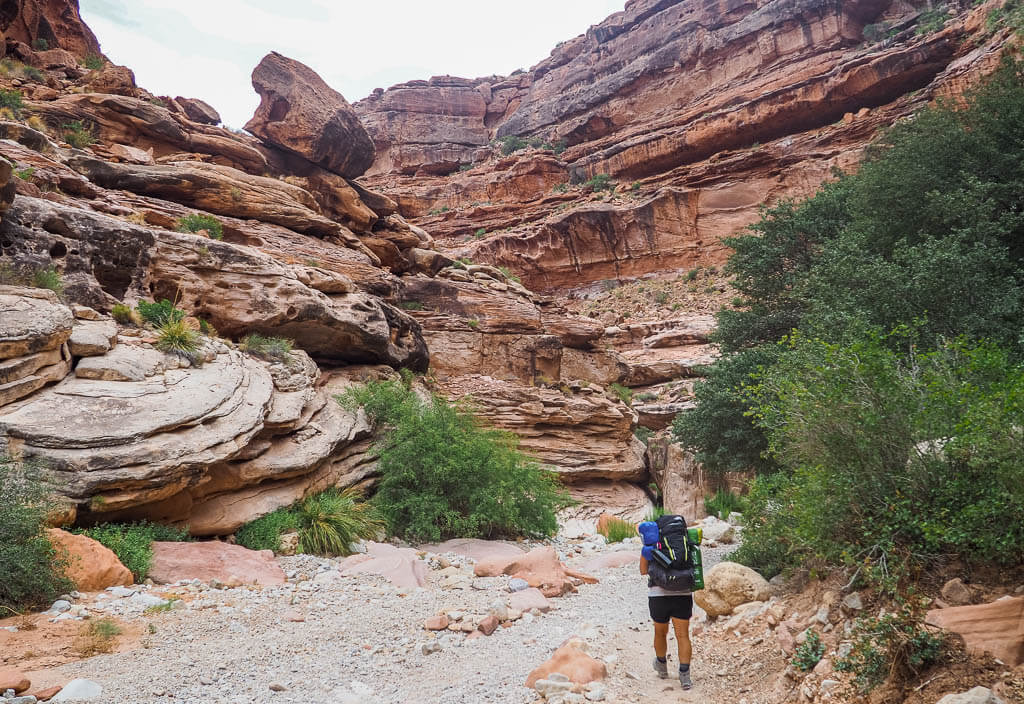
[{"x": 673, "y": 566}]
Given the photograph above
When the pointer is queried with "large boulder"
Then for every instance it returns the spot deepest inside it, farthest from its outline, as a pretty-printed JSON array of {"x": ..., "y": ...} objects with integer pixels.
[
  {"x": 400, "y": 566},
  {"x": 301, "y": 113},
  {"x": 198, "y": 110},
  {"x": 32, "y": 320},
  {"x": 572, "y": 661},
  {"x": 997, "y": 627},
  {"x": 729, "y": 584},
  {"x": 229, "y": 564},
  {"x": 90, "y": 565}
]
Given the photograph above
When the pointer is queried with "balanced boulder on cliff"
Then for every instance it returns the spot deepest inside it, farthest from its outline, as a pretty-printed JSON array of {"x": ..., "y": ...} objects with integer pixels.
[{"x": 301, "y": 114}]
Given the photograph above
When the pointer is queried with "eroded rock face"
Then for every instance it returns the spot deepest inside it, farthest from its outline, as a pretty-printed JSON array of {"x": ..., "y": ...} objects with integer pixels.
[
  {"x": 58, "y": 22},
  {"x": 90, "y": 565},
  {"x": 301, "y": 113},
  {"x": 995, "y": 627}
]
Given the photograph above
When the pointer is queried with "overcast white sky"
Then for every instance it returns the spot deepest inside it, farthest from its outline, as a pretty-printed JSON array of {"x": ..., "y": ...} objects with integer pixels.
[{"x": 208, "y": 48}]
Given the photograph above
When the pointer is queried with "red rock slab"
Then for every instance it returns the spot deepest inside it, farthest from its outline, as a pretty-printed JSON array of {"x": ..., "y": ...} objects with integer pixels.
[
  {"x": 540, "y": 568},
  {"x": 47, "y": 694},
  {"x": 14, "y": 679},
  {"x": 90, "y": 565},
  {"x": 400, "y": 566},
  {"x": 476, "y": 549},
  {"x": 206, "y": 561},
  {"x": 610, "y": 560},
  {"x": 997, "y": 627},
  {"x": 571, "y": 661}
]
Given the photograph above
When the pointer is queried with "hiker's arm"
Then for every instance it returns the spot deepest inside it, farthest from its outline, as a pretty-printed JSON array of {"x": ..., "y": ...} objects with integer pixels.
[{"x": 643, "y": 565}]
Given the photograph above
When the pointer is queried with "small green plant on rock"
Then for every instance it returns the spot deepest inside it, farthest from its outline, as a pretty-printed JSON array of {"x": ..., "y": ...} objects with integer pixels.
[
  {"x": 480, "y": 232},
  {"x": 196, "y": 223},
  {"x": 49, "y": 278},
  {"x": 561, "y": 188},
  {"x": 26, "y": 173},
  {"x": 643, "y": 433},
  {"x": 273, "y": 349},
  {"x": 410, "y": 305},
  {"x": 40, "y": 44},
  {"x": 511, "y": 144},
  {"x": 94, "y": 62},
  {"x": 808, "y": 653},
  {"x": 11, "y": 100},
  {"x": 931, "y": 20},
  {"x": 77, "y": 134},
  {"x": 159, "y": 314},
  {"x": 121, "y": 313},
  {"x": 177, "y": 338},
  {"x": 600, "y": 182},
  {"x": 265, "y": 532},
  {"x": 507, "y": 273},
  {"x": 624, "y": 393}
]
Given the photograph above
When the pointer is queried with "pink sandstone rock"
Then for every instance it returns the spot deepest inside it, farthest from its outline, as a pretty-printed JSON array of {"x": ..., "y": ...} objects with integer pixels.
[
  {"x": 529, "y": 599},
  {"x": 571, "y": 661},
  {"x": 476, "y": 549},
  {"x": 997, "y": 627},
  {"x": 230, "y": 564}
]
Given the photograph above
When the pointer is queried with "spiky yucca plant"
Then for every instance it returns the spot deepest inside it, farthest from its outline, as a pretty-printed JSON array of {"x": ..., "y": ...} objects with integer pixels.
[
  {"x": 175, "y": 337},
  {"x": 331, "y": 521}
]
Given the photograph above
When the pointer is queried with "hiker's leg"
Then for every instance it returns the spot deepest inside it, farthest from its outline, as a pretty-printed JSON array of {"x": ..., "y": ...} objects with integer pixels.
[
  {"x": 682, "y": 629},
  {"x": 660, "y": 639}
]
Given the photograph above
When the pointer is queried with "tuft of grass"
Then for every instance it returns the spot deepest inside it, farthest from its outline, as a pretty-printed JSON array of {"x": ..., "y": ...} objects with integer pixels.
[
  {"x": 331, "y": 521},
  {"x": 175, "y": 337},
  {"x": 97, "y": 637},
  {"x": 275, "y": 349},
  {"x": 26, "y": 173},
  {"x": 33, "y": 74},
  {"x": 616, "y": 530},
  {"x": 480, "y": 232},
  {"x": 473, "y": 323},
  {"x": 507, "y": 273},
  {"x": 38, "y": 124},
  {"x": 164, "y": 608},
  {"x": 133, "y": 542},
  {"x": 723, "y": 503},
  {"x": 196, "y": 223},
  {"x": 94, "y": 62},
  {"x": 236, "y": 194},
  {"x": 265, "y": 532}
]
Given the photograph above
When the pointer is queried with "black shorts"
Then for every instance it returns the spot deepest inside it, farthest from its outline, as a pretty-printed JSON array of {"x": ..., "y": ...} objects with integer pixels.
[{"x": 664, "y": 608}]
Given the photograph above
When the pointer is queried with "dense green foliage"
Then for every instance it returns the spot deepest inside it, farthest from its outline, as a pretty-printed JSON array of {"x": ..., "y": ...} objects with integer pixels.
[
  {"x": 133, "y": 542},
  {"x": 446, "y": 475},
  {"x": 78, "y": 134},
  {"x": 808, "y": 654},
  {"x": 327, "y": 524},
  {"x": 723, "y": 502},
  {"x": 161, "y": 313},
  {"x": 33, "y": 574},
  {"x": 11, "y": 99},
  {"x": 201, "y": 223}
]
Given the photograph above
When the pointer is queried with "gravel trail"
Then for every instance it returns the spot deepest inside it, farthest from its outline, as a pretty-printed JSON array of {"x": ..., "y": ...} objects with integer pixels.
[{"x": 360, "y": 643}]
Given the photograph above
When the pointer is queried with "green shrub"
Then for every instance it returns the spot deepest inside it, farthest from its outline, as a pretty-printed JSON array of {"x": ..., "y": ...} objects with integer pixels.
[
  {"x": 480, "y": 232},
  {"x": 121, "y": 313},
  {"x": 159, "y": 314},
  {"x": 40, "y": 44},
  {"x": 274, "y": 349},
  {"x": 511, "y": 144},
  {"x": 94, "y": 62},
  {"x": 33, "y": 574},
  {"x": 560, "y": 188},
  {"x": 931, "y": 20},
  {"x": 133, "y": 542},
  {"x": 198, "y": 223},
  {"x": 331, "y": 521},
  {"x": 444, "y": 474},
  {"x": 33, "y": 74},
  {"x": 808, "y": 653},
  {"x": 507, "y": 273},
  {"x": 894, "y": 642},
  {"x": 643, "y": 434},
  {"x": 176, "y": 337},
  {"x": 624, "y": 393},
  {"x": 265, "y": 532},
  {"x": 473, "y": 323},
  {"x": 11, "y": 99},
  {"x": 49, "y": 278},
  {"x": 724, "y": 502},
  {"x": 913, "y": 460},
  {"x": 600, "y": 182},
  {"x": 26, "y": 173},
  {"x": 77, "y": 134},
  {"x": 411, "y": 305},
  {"x": 616, "y": 530}
]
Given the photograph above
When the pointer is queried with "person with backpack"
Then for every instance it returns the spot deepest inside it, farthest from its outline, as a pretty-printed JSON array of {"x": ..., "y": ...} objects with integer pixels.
[{"x": 670, "y": 559}]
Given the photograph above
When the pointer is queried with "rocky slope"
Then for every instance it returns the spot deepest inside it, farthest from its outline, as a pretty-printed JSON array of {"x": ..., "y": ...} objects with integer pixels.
[{"x": 700, "y": 112}]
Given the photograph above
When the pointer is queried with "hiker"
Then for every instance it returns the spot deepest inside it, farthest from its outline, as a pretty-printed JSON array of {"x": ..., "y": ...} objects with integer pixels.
[{"x": 666, "y": 606}]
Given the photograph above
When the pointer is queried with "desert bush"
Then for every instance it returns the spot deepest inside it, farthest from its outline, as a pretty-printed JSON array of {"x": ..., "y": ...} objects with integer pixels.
[
  {"x": 11, "y": 99},
  {"x": 33, "y": 574},
  {"x": 600, "y": 182},
  {"x": 512, "y": 143},
  {"x": 896, "y": 641},
  {"x": 560, "y": 188},
  {"x": 917, "y": 457},
  {"x": 642, "y": 433},
  {"x": 198, "y": 223},
  {"x": 616, "y": 530},
  {"x": 96, "y": 637},
  {"x": 133, "y": 542},
  {"x": 94, "y": 62},
  {"x": 40, "y": 44},
  {"x": 445, "y": 474},
  {"x": 507, "y": 273},
  {"x": 26, "y": 173},
  {"x": 265, "y": 532},
  {"x": 274, "y": 349},
  {"x": 723, "y": 502},
  {"x": 121, "y": 313},
  {"x": 623, "y": 393},
  {"x": 49, "y": 278},
  {"x": 808, "y": 653},
  {"x": 932, "y": 20},
  {"x": 160, "y": 313},
  {"x": 77, "y": 134}
]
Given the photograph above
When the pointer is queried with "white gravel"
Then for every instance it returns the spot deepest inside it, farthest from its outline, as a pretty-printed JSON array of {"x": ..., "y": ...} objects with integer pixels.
[{"x": 360, "y": 642}]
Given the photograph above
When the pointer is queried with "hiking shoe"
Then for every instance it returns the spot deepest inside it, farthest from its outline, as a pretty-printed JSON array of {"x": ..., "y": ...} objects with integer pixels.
[
  {"x": 684, "y": 679},
  {"x": 661, "y": 668}
]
